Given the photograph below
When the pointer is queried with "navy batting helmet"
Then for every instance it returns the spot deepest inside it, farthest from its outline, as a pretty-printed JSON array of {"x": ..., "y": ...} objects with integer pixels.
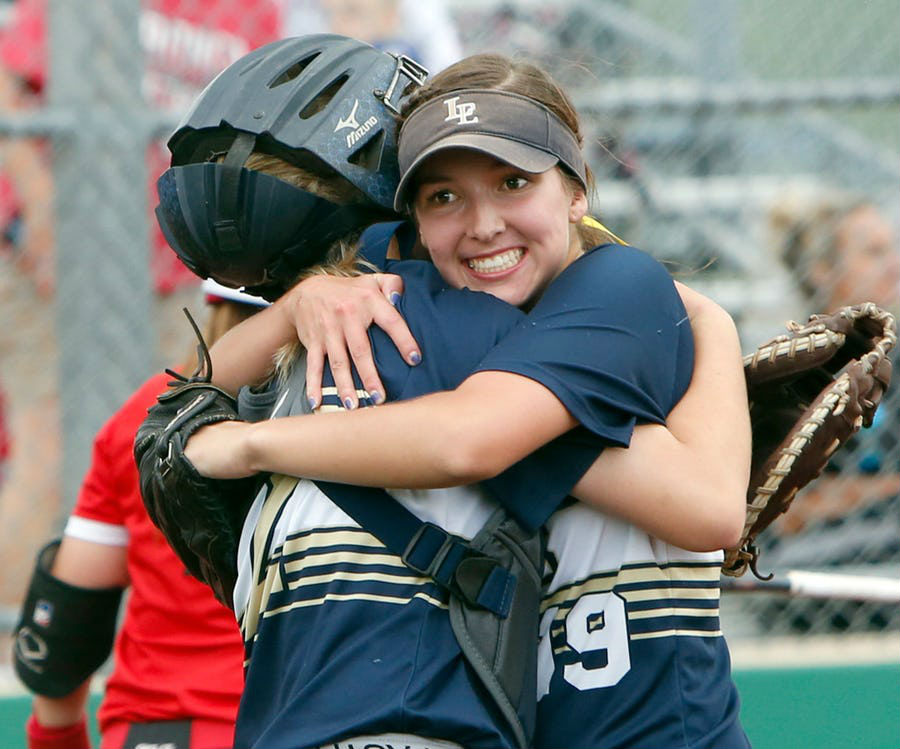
[{"x": 324, "y": 102}]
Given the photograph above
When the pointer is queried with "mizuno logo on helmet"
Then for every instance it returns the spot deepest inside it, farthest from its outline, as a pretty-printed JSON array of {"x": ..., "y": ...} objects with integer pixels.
[
  {"x": 358, "y": 130},
  {"x": 349, "y": 121},
  {"x": 463, "y": 113}
]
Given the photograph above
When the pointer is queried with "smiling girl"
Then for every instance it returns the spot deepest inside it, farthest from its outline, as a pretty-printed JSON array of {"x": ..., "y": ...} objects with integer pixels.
[{"x": 631, "y": 650}]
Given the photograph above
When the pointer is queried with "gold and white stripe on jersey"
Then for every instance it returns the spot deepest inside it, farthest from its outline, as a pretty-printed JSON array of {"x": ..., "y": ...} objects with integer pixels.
[
  {"x": 295, "y": 564},
  {"x": 643, "y": 585}
]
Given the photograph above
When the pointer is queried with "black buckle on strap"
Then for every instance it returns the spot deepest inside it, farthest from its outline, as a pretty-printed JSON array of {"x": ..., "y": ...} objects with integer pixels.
[
  {"x": 435, "y": 553},
  {"x": 428, "y": 549}
]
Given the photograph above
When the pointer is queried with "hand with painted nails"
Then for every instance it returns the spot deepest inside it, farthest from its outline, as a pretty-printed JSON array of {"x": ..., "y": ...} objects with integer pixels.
[{"x": 332, "y": 316}]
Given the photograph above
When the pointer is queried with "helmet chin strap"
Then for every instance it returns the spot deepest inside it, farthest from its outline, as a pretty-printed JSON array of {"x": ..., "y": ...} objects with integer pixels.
[
  {"x": 409, "y": 69},
  {"x": 225, "y": 225}
]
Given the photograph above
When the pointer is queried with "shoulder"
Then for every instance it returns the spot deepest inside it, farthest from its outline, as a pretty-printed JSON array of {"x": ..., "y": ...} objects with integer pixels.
[
  {"x": 458, "y": 326},
  {"x": 613, "y": 281},
  {"x": 375, "y": 241},
  {"x": 121, "y": 427},
  {"x": 616, "y": 266}
]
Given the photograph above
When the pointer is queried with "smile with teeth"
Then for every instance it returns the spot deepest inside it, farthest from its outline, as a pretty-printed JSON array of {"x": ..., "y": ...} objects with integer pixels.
[{"x": 496, "y": 263}]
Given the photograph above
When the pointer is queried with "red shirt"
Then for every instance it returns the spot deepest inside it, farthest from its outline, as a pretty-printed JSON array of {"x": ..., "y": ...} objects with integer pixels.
[
  {"x": 178, "y": 653},
  {"x": 185, "y": 44}
]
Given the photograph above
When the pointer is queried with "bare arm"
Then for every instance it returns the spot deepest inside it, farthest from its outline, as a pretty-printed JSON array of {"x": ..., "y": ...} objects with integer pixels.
[
  {"x": 698, "y": 474},
  {"x": 87, "y": 565},
  {"x": 438, "y": 440}
]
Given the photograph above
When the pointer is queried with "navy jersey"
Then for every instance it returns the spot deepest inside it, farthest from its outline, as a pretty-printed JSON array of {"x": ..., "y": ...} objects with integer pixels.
[
  {"x": 631, "y": 653},
  {"x": 341, "y": 638},
  {"x": 630, "y": 631},
  {"x": 333, "y": 620}
]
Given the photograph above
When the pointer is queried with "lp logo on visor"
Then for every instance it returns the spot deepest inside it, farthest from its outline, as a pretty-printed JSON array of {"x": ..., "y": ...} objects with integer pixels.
[{"x": 463, "y": 113}]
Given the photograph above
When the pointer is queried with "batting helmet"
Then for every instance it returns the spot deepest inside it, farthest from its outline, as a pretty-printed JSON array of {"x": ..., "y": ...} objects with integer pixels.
[{"x": 323, "y": 102}]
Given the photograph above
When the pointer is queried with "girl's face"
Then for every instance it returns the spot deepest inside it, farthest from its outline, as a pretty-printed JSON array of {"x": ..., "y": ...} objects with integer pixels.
[{"x": 491, "y": 227}]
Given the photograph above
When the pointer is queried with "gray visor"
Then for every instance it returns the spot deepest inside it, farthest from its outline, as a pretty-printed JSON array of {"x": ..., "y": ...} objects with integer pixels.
[{"x": 515, "y": 129}]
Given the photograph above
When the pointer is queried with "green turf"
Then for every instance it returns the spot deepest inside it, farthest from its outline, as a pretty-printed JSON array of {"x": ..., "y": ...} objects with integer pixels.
[{"x": 810, "y": 708}]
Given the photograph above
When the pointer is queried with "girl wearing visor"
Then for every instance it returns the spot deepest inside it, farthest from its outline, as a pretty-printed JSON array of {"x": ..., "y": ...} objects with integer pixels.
[{"x": 492, "y": 174}]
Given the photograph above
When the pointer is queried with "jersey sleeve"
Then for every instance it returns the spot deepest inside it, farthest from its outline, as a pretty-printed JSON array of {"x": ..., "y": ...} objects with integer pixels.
[
  {"x": 98, "y": 496},
  {"x": 533, "y": 489},
  {"x": 112, "y": 476},
  {"x": 375, "y": 241},
  {"x": 610, "y": 338}
]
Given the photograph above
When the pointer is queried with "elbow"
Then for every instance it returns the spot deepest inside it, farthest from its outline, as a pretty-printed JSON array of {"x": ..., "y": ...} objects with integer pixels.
[
  {"x": 464, "y": 459},
  {"x": 723, "y": 534},
  {"x": 733, "y": 531},
  {"x": 723, "y": 528}
]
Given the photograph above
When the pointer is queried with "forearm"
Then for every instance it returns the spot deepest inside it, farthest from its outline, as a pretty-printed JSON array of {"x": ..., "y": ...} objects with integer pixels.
[
  {"x": 443, "y": 439},
  {"x": 244, "y": 355}
]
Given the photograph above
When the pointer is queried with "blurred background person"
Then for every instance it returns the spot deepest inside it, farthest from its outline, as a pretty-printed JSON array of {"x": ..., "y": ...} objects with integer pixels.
[
  {"x": 842, "y": 249},
  {"x": 421, "y": 29},
  {"x": 177, "y": 671},
  {"x": 5, "y": 439},
  {"x": 184, "y": 43}
]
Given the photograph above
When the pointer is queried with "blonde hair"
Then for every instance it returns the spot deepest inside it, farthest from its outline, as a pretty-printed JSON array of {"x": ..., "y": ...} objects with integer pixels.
[
  {"x": 341, "y": 258},
  {"x": 501, "y": 73},
  {"x": 332, "y": 186}
]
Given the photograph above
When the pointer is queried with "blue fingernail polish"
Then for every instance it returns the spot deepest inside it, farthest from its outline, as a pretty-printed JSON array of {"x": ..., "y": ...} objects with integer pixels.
[
  {"x": 395, "y": 298},
  {"x": 376, "y": 397},
  {"x": 348, "y": 404},
  {"x": 312, "y": 403},
  {"x": 415, "y": 357}
]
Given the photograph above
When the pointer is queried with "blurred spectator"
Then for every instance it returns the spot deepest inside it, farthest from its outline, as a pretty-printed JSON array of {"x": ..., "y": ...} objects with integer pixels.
[
  {"x": 843, "y": 250},
  {"x": 185, "y": 43},
  {"x": 421, "y": 29}
]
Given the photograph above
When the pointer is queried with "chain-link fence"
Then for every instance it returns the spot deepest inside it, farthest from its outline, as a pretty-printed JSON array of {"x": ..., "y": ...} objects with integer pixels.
[
  {"x": 90, "y": 296},
  {"x": 754, "y": 145}
]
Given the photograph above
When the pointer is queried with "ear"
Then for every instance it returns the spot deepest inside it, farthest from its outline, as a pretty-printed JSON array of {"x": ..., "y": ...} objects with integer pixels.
[{"x": 577, "y": 206}]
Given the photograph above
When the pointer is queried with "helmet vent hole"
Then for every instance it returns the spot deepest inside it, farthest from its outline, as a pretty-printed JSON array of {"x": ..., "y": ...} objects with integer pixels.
[
  {"x": 293, "y": 71},
  {"x": 369, "y": 156},
  {"x": 323, "y": 98}
]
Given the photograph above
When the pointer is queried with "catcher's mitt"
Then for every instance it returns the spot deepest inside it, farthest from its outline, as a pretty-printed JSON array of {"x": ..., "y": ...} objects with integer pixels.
[
  {"x": 200, "y": 517},
  {"x": 809, "y": 390}
]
